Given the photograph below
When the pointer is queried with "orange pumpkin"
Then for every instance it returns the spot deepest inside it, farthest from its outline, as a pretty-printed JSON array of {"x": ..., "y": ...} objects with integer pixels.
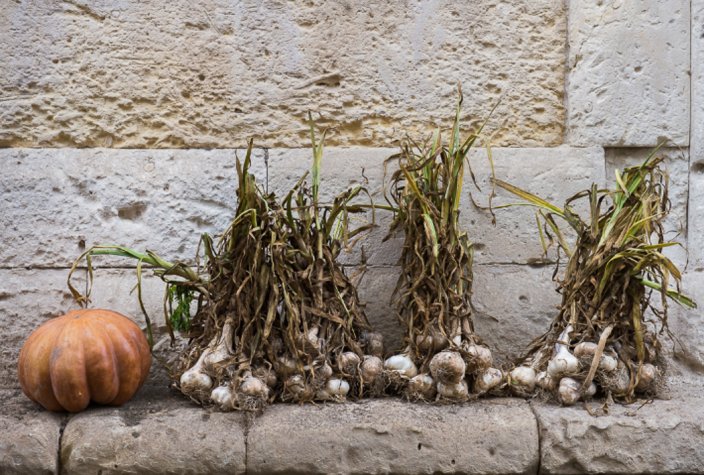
[{"x": 85, "y": 355}]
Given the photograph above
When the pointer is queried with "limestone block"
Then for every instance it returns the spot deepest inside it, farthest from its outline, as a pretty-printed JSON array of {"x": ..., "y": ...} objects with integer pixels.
[
  {"x": 27, "y": 299},
  {"x": 695, "y": 216},
  {"x": 697, "y": 102},
  {"x": 390, "y": 436},
  {"x": 554, "y": 174},
  {"x": 676, "y": 164},
  {"x": 628, "y": 72},
  {"x": 163, "y": 439},
  {"x": 513, "y": 306},
  {"x": 29, "y": 436},
  {"x": 661, "y": 437},
  {"x": 213, "y": 73},
  {"x": 58, "y": 202},
  {"x": 375, "y": 291},
  {"x": 688, "y": 325}
]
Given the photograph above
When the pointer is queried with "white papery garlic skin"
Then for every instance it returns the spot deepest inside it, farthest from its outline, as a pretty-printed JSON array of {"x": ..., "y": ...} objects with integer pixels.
[
  {"x": 348, "y": 362},
  {"x": 196, "y": 379},
  {"x": 222, "y": 396},
  {"x": 402, "y": 364},
  {"x": 608, "y": 363},
  {"x": 421, "y": 386},
  {"x": 254, "y": 387},
  {"x": 544, "y": 381},
  {"x": 568, "y": 392},
  {"x": 488, "y": 380},
  {"x": 478, "y": 358},
  {"x": 371, "y": 368},
  {"x": 646, "y": 377},
  {"x": 334, "y": 389},
  {"x": 447, "y": 367},
  {"x": 563, "y": 362},
  {"x": 455, "y": 392},
  {"x": 523, "y": 378}
]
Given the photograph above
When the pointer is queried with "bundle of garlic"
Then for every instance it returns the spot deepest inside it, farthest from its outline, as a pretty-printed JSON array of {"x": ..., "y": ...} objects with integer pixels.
[
  {"x": 443, "y": 358},
  {"x": 601, "y": 343},
  {"x": 276, "y": 317}
]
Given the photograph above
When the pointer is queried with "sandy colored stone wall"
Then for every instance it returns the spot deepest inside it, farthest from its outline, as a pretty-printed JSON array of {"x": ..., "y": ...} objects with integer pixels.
[{"x": 212, "y": 73}]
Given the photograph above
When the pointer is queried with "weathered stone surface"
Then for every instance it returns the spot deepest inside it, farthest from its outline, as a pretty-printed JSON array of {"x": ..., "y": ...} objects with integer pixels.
[
  {"x": 688, "y": 324},
  {"x": 514, "y": 305},
  {"x": 676, "y": 164},
  {"x": 58, "y": 202},
  {"x": 27, "y": 299},
  {"x": 555, "y": 174},
  {"x": 29, "y": 436},
  {"x": 375, "y": 290},
  {"x": 661, "y": 437},
  {"x": 390, "y": 436},
  {"x": 166, "y": 437},
  {"x": 628, "y": 65},
  {"x": 696, "y": 187},
  {"x": 212, "y": 74}
]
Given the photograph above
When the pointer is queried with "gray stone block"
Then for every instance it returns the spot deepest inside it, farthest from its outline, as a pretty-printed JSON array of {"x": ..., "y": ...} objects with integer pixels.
[
  {"x": 59, "y": 202},
  {"x": 164, "y": 438},
  {"x": 390, "y": 436},
  {"x": 29, "y": 436},
  {"x": 657, "y": 438},
  {"x": 554, "y": 174},
  {"x": 628, "y": 79}
]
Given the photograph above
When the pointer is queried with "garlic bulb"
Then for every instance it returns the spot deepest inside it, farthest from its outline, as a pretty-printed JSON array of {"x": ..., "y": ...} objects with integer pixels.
[
  {"x": 421, "y": 387},
  {"x": 373, "y": 343},
  {"x": 454, "y": 392},
  {"x": 348, "y": 362},
  {"x": 267, "y": 375},
  {"x": 297, "y": 387},
  {"x": 447, "y": 367},
  {"x": 371, "y": 368},
  {"x": 488, "y": 380},
  {"x": 196, "y": 379},
  {"x": 617, "y": 381},
  {"x": 608, "y": 363},
  {"x": 568, "y": 392},
  {"x": 591, "y": 390},
  {"x": 401, "y": 364},
  {"x": 563, "y": 362},
  {"x": 646, "y": 377},
  {"x": 220, "y": 351},
  {"x": 285, "y": 366},
  {"x": 544, "y": 381},
  {"x": 523, "y": 379},
  {"x": 477, "y": 357},
  {"x": 223, "y": 397},
  {"x": 254, "y": 387},
  {"x": 334, "y": 389},
  {"x": 323, "y": 372},
  {"x": 585, "y": 348}
]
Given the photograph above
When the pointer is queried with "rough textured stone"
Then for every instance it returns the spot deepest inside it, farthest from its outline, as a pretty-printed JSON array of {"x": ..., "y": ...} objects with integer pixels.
[
  {"x": 688, "y": 324},
  {"x": 391, "y": 436},
  {"x": 676, "y": 164},
  {"x": 661, "y": 437},
  {"x": 205, "y": 74},
  {"x": 375, "y": 290},
  {"x": 696, "y": 186},
  {"x": 555, "y": 174},
  {"x": 628, "y": 65},
  {"x": 164, "y": 438},
  {"x": 29, "y": 436},
  {"x": 27, "y": 299},
  {"x": 513, "y": 305},
  {"x": 58, "y": 202}
]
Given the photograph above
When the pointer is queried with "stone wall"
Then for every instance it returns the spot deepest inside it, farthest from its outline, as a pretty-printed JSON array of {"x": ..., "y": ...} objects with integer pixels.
[{"x": 120, "y": 121}]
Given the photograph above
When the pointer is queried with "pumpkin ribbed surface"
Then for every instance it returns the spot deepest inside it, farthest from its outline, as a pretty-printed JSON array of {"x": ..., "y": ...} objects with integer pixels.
[{"x": 83, "y": 356}]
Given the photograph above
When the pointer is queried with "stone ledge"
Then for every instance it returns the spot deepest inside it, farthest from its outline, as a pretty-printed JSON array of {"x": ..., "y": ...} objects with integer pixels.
[
  {"x": 661, "y": 437},
  {"x": 391, "y": 436},
  {"x": 161, "y": 432}
]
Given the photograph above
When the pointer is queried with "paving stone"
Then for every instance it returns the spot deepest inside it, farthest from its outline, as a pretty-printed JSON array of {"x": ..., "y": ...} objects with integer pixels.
[
  {"x": 391, "y": 436},
  {"x": 628, "y": 79},
  {"x": 658, "y": 438},
  {"x": 193, "y": 74},
  {"x": 29, "y": 436}
]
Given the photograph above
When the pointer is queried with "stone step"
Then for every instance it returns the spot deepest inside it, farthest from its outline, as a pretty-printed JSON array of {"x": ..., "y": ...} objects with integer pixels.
[{"x": 161, "y": 432}]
